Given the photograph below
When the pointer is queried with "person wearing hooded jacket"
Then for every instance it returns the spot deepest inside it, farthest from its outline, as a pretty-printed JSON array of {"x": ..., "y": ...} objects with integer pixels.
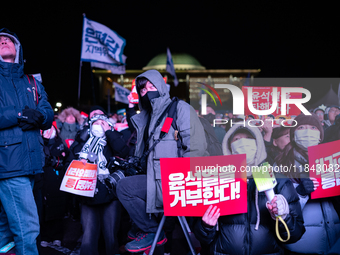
[
  {"x": 101, "y": 213},
  {"x": 330, "y": 113},
  {"x": 69, "y": 122},
  {"x": 252, "y": 232},
  {"x": 141, "y": 195},
  {"x": 24, "y": 110},
  {"x": 321, "y": 219}
]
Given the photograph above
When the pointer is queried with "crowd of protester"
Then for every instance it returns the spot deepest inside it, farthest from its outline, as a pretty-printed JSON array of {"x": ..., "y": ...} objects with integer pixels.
[
  {"x": 125, "y": 211},
  {"x": 308, "y": 220}
]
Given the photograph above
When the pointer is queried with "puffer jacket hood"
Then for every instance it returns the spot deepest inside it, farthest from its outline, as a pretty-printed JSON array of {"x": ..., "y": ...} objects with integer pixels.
[
  {"x": 157, "y": 80},
  {"x": 19, "y": 56},
  {"x": 261, "y": 153},
  {"x": 71, "y": 111}
]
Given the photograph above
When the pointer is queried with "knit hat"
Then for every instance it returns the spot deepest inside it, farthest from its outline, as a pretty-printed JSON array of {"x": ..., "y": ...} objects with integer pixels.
[
  {"x": 280, "y": 131},
  {"x": 97, "y": 107},
  {"x": 307, "y": 120}
]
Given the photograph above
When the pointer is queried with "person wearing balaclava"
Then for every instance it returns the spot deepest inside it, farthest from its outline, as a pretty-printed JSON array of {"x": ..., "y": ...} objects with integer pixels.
[
  {"x": 252, "y": 232},
  {"x": 141, "y": 195},
  {"x": 321, "y": 219}
]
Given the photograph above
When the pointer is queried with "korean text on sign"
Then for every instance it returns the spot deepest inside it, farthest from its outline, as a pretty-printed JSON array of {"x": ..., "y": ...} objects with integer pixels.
[
  {"x": 79, "y": 179},
  {"x": 324, "y": 164},
  {"x": 191, "y": 185}
]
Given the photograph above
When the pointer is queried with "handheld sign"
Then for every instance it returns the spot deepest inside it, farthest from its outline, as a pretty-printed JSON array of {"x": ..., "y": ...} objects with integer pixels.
[
  {"x": 79, "y": 179},
  {"x": 191, "y": 185},
  {"x": 265, "y": 180},
  {"x": 324, "y": 165}
]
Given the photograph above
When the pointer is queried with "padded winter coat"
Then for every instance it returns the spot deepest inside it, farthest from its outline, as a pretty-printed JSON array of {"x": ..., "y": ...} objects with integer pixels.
[
  {"x": 189, "y": 127},
  {"x": 21, "y": 152},
  {"x": 320, "y": 220},
  {"x": 237, "y": 234}
]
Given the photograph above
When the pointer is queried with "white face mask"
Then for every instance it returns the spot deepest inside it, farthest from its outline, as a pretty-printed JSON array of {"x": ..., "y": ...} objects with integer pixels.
[
  {"x": 306, "y": 137},
  {"x": 46, "y": 134},
  {"x": 97, "y": 130},
  {"x": 245, "y": 146}
]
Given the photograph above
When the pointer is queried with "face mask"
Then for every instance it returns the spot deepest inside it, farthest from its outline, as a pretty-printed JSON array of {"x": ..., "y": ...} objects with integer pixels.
[
  {"x": 146, "y": 99},
  {"x": 245, "y": 146},
  {"x": 306, "y": 137},
  {"x": 97, "y": 130},
  {"x": 45, "y": 134}
]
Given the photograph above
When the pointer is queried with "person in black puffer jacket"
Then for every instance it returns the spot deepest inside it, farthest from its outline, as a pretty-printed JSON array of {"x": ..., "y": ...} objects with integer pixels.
[{"x": 252, "y": 232}]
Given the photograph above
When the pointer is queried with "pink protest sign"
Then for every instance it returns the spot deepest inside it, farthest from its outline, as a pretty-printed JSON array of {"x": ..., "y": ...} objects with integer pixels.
[
  {"x": 191, "y": 185},
  {"x": 324, "y": 161},
  {"x": 262, "y": 99}
]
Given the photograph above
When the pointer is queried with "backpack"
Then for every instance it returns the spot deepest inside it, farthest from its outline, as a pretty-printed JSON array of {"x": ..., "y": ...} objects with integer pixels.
[{"x": 214, "y": 147}]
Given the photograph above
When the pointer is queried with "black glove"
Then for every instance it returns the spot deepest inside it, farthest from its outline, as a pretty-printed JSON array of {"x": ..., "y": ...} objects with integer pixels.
[
  {"x": 305, "y": 187},
  {"x": 30, "y": 119}
]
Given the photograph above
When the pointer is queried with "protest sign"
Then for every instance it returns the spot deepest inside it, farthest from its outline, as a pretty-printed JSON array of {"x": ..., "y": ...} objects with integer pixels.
[
  {"x": 262, "y": 99},
  {"x": 324, "y": 164},
  {"x": 80, "y": 179},
  {"x": 191, "y": 185}
]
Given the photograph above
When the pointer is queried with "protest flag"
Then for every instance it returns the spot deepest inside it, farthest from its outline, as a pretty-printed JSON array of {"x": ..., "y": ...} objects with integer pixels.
[
  {"x": 101, "y": 46},
  {"x": 121, "y": 93},
  {"x": 170, "y": 67}
]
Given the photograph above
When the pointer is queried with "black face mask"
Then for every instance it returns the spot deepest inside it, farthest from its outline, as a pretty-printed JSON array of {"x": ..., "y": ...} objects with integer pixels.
[{"x": 146, "y": 99}]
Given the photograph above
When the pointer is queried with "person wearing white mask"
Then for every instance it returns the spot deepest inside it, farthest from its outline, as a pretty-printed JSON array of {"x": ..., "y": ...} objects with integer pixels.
[
  {"x": 102, "y": 212},
  {"x": 321, "y": 219},
  {"x": 252, "y": 232}
]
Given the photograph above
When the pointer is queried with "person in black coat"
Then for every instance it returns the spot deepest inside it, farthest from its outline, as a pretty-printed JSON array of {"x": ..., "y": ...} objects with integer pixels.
[
  {"x": 54, "y": 200},
  {"x": 252, "y": 232},
  {"x": 101, "y": 213}
]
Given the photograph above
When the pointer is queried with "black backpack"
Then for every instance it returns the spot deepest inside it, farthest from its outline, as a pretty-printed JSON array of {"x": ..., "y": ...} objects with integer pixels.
[{"x": 214, "y": 147}]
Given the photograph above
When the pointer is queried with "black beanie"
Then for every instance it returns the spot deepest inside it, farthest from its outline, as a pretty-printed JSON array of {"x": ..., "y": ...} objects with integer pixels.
[
  {"x": 307, "y": 120},
  {"x": 97, "y": 107}
]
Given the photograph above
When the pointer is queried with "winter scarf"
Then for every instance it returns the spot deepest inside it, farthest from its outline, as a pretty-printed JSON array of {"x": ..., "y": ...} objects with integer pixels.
[{"x": 93, "y": 150}]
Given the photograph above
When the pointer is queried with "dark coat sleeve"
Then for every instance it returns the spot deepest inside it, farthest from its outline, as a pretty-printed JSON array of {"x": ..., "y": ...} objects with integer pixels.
[
  {"x": 117, "y": 143},
  {"x": 294, "y": 219},
  {"x": 203, "y": 234},
  {"x": 45, "y": 108},
  {"x": 129, "y": 113}
]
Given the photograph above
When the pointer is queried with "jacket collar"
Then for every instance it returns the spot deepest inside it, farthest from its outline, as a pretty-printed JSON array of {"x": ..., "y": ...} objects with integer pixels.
[{"x": 11, "y": 70}]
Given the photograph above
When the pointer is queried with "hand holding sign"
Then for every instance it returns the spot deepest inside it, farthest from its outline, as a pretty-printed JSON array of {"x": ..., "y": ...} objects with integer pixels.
[
  {"x": 211, "y": 216},
  {"x": 272, "y": 207},
  {"x": 278, "y": 207}
]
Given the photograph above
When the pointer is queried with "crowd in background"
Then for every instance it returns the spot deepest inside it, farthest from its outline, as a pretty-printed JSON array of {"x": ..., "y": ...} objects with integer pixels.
[{"x": 70, "y": 131}]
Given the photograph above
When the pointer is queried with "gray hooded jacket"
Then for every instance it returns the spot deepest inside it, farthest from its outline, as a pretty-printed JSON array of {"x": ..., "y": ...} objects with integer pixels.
[{"x": 190, "y": 129}]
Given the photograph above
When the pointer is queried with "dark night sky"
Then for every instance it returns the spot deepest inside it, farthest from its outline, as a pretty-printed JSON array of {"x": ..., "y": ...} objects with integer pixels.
[{"x": 281, "y": 38}]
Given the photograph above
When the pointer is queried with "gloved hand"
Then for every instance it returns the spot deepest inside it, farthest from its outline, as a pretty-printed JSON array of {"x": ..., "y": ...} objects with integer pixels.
[
  {"x": 305, "y": 187},
  {"x": 30, "y": 119},
  {"x": 278, "y": 206}
]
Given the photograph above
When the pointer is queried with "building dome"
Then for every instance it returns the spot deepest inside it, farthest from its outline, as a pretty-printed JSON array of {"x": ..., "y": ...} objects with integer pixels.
[{"x": 182, "y": 61}]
